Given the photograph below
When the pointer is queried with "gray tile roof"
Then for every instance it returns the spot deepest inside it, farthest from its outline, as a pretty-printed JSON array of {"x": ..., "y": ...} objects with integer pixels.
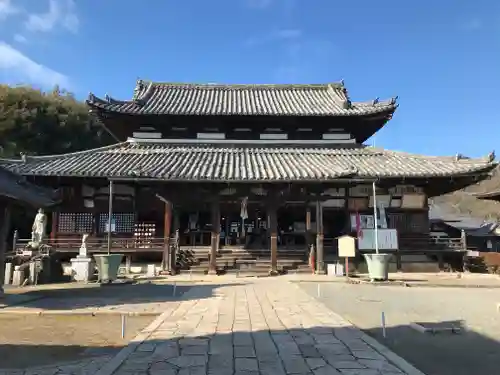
[
  {"x": 218, "y": 99},
  {"x": 258, "y": 161},
  {"x": 14, "y": 187},
  {"x": 472, "y": 226},
  {"x": 490, "y": 195}
]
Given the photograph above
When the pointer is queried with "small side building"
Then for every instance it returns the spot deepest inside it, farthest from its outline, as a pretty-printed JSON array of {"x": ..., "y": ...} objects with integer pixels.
[{"x": 16, "y": 190}]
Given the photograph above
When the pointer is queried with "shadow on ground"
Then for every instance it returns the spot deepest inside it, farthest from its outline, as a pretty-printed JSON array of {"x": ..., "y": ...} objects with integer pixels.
[
  {"x": 72, "y": 296},
  {"x": 475, "y": 350},
  {"x": 443, "y": 353},
  {"x": 272, "y": 352},
  {"x": 260, "y": 352}
]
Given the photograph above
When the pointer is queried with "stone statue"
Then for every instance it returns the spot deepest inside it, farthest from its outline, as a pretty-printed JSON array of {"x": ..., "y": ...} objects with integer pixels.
[
  {"x": 38, "y": 228},
  {"x": 83, "y": 248}
]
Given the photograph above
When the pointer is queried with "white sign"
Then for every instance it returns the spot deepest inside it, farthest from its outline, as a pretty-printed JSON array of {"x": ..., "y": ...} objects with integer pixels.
[
  {"x": 387, "y": 239},
  {"x": 365, "y": 221},
  {"x": 113, "y": 226}
]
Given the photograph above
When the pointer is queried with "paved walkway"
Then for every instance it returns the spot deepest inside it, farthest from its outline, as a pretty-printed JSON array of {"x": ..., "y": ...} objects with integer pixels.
[{"x": 262, "y": 327}]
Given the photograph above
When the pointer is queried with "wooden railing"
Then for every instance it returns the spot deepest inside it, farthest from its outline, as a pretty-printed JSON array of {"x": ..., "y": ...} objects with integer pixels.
[
  {"x": 122, "y": 244},
  {"x": 97, "y": 245},
  {"x": 425, "y": 243}
]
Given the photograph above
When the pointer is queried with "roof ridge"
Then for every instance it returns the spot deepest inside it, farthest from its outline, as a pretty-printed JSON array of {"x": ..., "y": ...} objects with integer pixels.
[
  {"x": 326, "y": 85},
  {"x": 24, "y": 158},
  {"x": 458, "y": 158}
]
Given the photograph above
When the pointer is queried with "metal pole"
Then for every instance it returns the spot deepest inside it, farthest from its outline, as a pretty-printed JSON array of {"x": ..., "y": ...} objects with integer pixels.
[
  {"x": 123, "y": 326},
  {"x": 383, "y": 325},
  {"x": 110, "y": 213},
  {"x": 375, "y": 215}
]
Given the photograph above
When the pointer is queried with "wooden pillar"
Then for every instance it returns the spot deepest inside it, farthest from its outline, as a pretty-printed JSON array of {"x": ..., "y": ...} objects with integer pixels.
[
  {"x": 4, "y": 230},
  {"x": 54, "y": 226},
  {"x": 308, "y": 226},
  {"x": 176, "y": 247},
  {"x": 110, "y": 214},
  {"x": 320, "y": 266},
  {"x": 167, "y": 223},
  {"x": 273, "y": 234},
  {"x": 214, "y": 239}
]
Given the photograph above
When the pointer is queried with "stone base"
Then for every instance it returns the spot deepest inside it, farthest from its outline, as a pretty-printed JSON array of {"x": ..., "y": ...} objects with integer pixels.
[
  {"x": 212, "y": 272},
  {"x": 151, "y": 270},
  {"x": 18, "y": 276},
  {"x": 83, "y": 269},
  {"x": 273, "y": 273}
]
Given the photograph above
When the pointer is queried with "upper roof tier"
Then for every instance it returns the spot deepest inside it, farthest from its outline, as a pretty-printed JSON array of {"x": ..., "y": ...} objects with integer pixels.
[{"x": 331, "y": 99}]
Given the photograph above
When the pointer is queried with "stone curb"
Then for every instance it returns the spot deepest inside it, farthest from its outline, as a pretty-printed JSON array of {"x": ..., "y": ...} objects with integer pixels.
[
  {"x": 115, "y": 362},
  {"x": 78, "y": 313},
  {"x": 392, "y": 357}
]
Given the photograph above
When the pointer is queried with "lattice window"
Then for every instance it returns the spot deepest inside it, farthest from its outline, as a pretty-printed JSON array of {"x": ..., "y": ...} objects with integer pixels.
[
  {"x": 120, "y": 222},
  {"x": 409, "y": 222},
  {"x": 77, "y": 222}
]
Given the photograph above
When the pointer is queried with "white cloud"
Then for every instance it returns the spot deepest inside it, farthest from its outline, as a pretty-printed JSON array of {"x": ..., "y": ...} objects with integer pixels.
[
  {"x": 20, "y": 38},
  {"x": 60, "y": 13},
  {"x": 7, "y": 9},
  {"x": 18, "y": 67}
]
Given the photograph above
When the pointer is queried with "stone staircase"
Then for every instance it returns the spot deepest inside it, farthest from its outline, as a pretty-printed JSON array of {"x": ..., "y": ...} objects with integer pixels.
[{"x": 244, "y": 262}]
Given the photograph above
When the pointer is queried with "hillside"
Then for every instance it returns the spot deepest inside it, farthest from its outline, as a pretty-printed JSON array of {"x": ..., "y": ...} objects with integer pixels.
[
  {"x": 40, "y": 123},
  {"x": 461, "y": 201}
]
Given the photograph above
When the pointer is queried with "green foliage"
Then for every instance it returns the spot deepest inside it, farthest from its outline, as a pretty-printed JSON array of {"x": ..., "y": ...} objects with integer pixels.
[{"x": 43, "y": 123}]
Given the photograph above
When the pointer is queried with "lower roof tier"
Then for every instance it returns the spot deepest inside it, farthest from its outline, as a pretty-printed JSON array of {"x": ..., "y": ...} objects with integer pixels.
[
  {"x": 13, "y": 186},
  {"x": 249, "y": 161}
]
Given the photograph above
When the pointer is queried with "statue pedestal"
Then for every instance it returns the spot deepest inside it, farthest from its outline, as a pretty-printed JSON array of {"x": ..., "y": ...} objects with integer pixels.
[{"x": 83, "y": 268}]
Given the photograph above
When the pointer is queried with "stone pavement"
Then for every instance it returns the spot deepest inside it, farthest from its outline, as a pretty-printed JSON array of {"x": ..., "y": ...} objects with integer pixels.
[
  {"x": 83, "y": 367},
  {"x": 265, "y": 326}
]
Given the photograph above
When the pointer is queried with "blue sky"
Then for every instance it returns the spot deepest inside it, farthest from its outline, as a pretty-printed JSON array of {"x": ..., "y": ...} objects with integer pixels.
[{"x": 441, "y": 57}]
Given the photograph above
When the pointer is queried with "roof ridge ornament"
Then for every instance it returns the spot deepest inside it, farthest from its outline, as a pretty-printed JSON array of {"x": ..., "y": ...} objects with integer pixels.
[
  {"x": 139, "y": 85},
  {"x": 375, "y": 101},
  {"x": 346, "y": 104},
  {"x": 394, "y": 99},
  {"x": 141, "y": 99},
  {"x": 491, "y": 156}
]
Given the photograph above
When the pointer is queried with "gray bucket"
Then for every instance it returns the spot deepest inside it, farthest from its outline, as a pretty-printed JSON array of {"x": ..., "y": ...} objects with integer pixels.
[
  {"x": 107, "y": 266},
  {"x": 378, "y": 266}
]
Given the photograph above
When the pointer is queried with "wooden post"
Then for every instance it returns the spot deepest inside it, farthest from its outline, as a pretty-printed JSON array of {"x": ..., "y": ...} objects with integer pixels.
[
  {"x": 54, "y": 226},
  {"x": 463, "y": 240},
  {"x": 320, "y": 266},
  {"x": 166, "y": 263},
  {"x": 214, "y": 239},
  {"x": 4, "y": 230},
  {"x": 110, "y": 214},
  {"x": 308, "y": 226},
  {"x": 273, "y": 234}
]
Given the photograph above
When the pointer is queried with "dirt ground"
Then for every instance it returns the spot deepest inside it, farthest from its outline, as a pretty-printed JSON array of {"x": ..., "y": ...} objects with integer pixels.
[
  {"x": 476, "y": 350},
  {"x": 30, "y": 340}
]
